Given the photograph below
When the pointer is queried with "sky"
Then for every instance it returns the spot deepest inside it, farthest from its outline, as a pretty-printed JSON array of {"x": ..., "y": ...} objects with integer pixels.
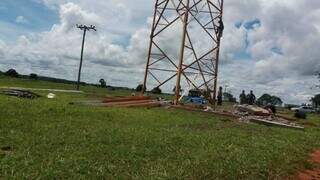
[{"x": 268, "y": 46}]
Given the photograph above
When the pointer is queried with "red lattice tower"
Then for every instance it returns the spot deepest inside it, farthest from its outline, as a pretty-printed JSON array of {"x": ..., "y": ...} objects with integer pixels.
[{"x": 184, "y": 46}]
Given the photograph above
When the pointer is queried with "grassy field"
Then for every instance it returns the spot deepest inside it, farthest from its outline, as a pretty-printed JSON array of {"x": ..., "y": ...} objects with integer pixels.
[{"x": 52, "y": 139}]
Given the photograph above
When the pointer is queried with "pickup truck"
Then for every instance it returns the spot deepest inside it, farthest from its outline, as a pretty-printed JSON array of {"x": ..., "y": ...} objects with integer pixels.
[{"x": 306, "y": 109}]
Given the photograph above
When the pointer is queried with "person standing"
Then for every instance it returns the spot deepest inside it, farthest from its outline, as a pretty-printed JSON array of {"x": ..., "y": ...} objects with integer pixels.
[
  {"x": 220, "y": 94},
  {"x": 251, "y": 98},
  {"x": 243, "y": 97}
]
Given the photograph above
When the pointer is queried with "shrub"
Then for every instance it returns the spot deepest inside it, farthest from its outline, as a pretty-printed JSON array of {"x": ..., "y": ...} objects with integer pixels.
[
  {"x": 33, "y": 76},
  {"x": 156, "y": 90},
  {"x": 300, "y": 115},
  {"x": 139, "y": 88}
]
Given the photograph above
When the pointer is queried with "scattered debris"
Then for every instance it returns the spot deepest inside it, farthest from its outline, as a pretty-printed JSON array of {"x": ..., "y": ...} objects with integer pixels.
[
  {"x": 51, "y": 96},
  {"x": 247, "y": 113},
  {"x": 20, "y": 93},
  {"x": 208, "y": 108},
  {"x": 251, "y": 110},
  {"x": 259, "y": 115},
  {"x": 271, "y": 121}
]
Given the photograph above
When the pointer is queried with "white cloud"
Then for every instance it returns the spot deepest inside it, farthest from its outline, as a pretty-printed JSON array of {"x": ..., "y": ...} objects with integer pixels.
[{"x": 21, "y": 20}]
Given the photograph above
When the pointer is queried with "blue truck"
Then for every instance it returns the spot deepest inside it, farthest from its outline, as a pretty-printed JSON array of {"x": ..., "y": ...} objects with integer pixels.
[{"x": 195, "y": 97}]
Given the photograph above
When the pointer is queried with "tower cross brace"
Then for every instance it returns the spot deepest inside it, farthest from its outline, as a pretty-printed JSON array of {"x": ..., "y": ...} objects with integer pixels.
[{"x": 197, "y": 26}]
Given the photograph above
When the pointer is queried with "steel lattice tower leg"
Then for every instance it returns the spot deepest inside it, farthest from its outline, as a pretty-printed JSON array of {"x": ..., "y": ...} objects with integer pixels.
[{"x": 197, "y": 26}]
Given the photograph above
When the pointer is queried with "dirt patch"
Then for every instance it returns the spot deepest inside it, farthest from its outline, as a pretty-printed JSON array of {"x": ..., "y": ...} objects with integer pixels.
[
  {"x": 316, "y": 156},
  {"x": 311, "y": 174}
]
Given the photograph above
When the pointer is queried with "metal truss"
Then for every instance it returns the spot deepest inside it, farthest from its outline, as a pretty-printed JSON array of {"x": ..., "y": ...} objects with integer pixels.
[{"x": 197, "y": 26}]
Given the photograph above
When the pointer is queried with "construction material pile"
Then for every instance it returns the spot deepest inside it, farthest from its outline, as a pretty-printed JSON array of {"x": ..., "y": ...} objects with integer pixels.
[
  {"x": 20, "y": 93},
  {"x": 249, "y": 113}
]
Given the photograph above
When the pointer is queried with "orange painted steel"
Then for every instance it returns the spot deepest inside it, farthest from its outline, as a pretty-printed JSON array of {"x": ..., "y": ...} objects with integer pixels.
[{"x": 189, "y": 17}]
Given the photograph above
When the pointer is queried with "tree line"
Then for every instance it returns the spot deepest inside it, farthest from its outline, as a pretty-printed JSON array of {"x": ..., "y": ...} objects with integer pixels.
[{"x": 265, "y": 99}]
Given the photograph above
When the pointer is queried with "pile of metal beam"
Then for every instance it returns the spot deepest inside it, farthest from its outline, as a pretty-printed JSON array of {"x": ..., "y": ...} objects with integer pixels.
[
  {"x": 130, "y": 101},
  {"x": 134, "y": 101}
]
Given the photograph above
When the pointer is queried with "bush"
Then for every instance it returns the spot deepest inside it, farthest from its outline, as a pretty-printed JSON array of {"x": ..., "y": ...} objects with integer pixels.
[
  {"x": 33, "y": 76},
  {"x": 300, "y": 115},
  {"x": 156, "y": 90},
  {"x": 103, "y": 83},
  {"x": 229, "y": 97},
  {"x": 110, "y": 88},
  {"x": 12, "y": 73},
  {"x": 139, "y": 88}
]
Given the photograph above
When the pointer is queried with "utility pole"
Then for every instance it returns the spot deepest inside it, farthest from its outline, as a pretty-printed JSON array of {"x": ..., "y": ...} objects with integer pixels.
[{"x": 83, "y": 28}]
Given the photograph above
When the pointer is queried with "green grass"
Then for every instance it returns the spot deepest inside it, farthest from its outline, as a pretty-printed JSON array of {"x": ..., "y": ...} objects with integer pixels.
[{"x": 52, "y": 139}]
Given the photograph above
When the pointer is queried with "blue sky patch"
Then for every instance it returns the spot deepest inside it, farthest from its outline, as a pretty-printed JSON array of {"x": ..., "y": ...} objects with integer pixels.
[
  {"x": 242, "y": 55},
  {"x": 251, "y": 24},
  {"x": 238, "y": 24},
  {"x": 36, "y": 16},
  {"x": 277, "y": 50}
]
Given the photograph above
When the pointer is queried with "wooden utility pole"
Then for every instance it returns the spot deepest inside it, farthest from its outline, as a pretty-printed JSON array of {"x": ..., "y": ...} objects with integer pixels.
[{"x": 84, "y": 28}]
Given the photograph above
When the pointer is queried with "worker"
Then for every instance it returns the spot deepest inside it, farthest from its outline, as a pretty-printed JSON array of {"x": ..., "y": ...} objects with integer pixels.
[
  {"x": 220, "y": 28},
  {"x": 220, "y": 96},
  {"x": 243, "y": 97},
  {"x": 251, "y": 98}
]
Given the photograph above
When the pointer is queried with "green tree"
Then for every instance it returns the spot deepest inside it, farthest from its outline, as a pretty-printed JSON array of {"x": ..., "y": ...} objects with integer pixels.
[
  {"x": 229, "y": 97},
  {"x": 12, "y": 73},
  {"x": 268, "y": 99},
  {"x": 316, "y": 100},
  {"x": 103, "y": 83},
  {"x": 33, "y": 76}
]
